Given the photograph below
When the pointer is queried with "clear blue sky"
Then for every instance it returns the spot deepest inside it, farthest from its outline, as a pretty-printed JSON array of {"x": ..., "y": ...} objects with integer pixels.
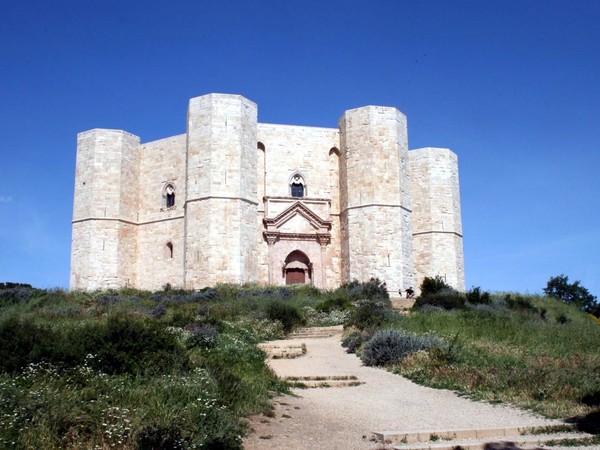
[{"x": 513, "y": 87}]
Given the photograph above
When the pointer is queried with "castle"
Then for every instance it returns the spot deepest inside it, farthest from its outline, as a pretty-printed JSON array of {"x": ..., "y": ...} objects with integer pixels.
[{"x": 233, "y": 200}]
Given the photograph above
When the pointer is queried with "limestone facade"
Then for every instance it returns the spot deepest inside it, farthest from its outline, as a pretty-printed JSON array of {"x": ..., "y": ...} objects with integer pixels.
[{"x": 233, "y": 200}]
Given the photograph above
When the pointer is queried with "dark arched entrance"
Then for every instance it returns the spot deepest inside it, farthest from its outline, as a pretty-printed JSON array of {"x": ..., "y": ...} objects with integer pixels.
[{"x": 297, "y": 269}]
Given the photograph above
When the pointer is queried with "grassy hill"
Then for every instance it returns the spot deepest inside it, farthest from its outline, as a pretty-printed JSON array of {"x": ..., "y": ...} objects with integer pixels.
[{"x": 176, "y": 369}]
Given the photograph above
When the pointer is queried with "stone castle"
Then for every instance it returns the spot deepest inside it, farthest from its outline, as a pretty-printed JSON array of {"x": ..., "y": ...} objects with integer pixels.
[{"x": 233, "y": 200}]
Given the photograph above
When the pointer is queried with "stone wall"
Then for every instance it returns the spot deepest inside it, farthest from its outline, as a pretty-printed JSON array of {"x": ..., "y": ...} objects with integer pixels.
[
  {"x": 375, "y": 197},
  {"x": 234, "y": 218},
  {"x": 437, "y": 225},
  {"x": 104, "y": 244},
  {"x": 221, "y": 207},
  {"x": 307, "y": 151}
]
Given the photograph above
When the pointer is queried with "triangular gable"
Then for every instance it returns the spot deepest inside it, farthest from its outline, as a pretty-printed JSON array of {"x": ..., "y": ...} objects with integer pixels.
[{"x": 298, "y": 209}]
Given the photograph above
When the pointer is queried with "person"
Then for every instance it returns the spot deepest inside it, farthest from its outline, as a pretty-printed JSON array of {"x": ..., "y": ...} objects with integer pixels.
[{"x": 410, "y": 293}]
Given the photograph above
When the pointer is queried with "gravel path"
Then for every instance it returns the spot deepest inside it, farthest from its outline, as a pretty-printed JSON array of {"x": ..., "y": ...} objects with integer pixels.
[{"x": 345, "y": 417}]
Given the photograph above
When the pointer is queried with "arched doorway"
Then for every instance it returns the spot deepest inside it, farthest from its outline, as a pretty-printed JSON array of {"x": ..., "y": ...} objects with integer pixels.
[{"x": 297, "y": 268}]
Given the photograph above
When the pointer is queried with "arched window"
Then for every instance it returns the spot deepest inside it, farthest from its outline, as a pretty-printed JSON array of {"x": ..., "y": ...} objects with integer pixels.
[
  {"x": 297, "y": 186},
  {"x": 169, "y": 250},
  {"x": 169, "y": 195}
]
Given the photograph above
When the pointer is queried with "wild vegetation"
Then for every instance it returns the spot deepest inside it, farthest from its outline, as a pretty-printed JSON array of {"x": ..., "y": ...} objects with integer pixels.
[
  {"x": 146, "y": 370},
  {"x": 539, "y": 353},
  {"x": 177, "y": 369}
]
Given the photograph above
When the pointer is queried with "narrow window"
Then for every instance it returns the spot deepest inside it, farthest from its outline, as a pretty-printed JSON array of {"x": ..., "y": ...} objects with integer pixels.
[
  {"x": 297, "y": 190},
  {"x": 169, "y": 196},
  {"x": 169, "y": 251},
  {"x": 297, "y": 186}
]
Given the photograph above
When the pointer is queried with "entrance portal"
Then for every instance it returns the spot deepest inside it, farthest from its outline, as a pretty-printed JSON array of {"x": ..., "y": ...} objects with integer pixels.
[
  {"x": 297, "y": 269},
  {"x": 294, "y": 276}
]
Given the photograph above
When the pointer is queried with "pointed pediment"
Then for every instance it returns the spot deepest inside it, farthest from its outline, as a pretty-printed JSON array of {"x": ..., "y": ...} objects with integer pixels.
[{"x": 297, "y": 218}]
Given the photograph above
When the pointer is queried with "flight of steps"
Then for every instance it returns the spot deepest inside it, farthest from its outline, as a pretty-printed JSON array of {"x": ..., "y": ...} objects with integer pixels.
[
  {"x": 484, "y": 439},
  {"x": 282, "y": 350},
  {"x": 316, "y": 332},
  {"x": 323, "y": 381}
]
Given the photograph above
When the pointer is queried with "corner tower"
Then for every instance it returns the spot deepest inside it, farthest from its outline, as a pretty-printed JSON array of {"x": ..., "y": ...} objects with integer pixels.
[
  {"x": 375, "y": 209},
  {"x": 104, "y": 240},
  {"x": 221, "y": 201},
  {"x": 437, "y": 226}
]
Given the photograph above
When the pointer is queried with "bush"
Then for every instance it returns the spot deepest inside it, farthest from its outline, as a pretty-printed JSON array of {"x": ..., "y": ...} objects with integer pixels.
[
  {"x": 374, "y": 289},
  {"x": 12, "y": 293},
  {"x": 432, "y": 285},
  {"x": 353, "y": 340},
  {"x": 153, "y": 436},
  {"x": 370, "y": 314},
  {"x": 445, "y": 299},
  {"x": 288, "y": 315},
  {"x": 389, "y": 347},
  {"x": 314, "y": 318},
  {"x": 476, "y": 297},
  {"x": 570, "y": 293},
  {"x": 520, "y": 303},
  {"x": 136, "y": 346},
  {"x": 121, "y": 344},
  {"x": 203, "y": 335},
  {"x": 337, "y": 300}
]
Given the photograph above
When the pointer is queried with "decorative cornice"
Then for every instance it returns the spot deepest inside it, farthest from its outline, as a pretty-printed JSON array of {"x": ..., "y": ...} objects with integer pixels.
[
  {"x": 128, "y": 222},
  {"x": 375, "y": 204},
  {"x": 273, "y": 236},
  {"x": 297, "y": 208},
  {"x": 216, "y": 197},
  {"x": 438, "y": 232},
  {"x": 305, "y": 199}
]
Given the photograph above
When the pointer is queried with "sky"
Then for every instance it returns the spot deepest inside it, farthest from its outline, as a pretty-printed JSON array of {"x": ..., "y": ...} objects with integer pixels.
[{"x": 512, "y": 87}]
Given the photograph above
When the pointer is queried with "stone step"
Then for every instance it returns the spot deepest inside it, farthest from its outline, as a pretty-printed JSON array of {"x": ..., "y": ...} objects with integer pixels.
[
  {"x": 536, "y": 441},
  {"x": 483, "y": 439},
  {"x": 323, "y": 381},
  {"x": 316, "y": 332},
  {"x": 282, "y": 351},
  {"x": 470, "y": 433},
  {"x": 402, "y": 304}
]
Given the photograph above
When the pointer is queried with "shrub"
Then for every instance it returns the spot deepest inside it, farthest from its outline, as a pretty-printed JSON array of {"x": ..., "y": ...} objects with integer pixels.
[
  {"x": 374, "y": 289},
  {"x": 433, "y": 285},
  {"x": 288, "y": 315},
  {"x": 476, "y": 297},
  {"x": 153, "y": 436},
  {"x": 202, "y": 335},
  {"x": 570, "y": 293},
  {"x": 122, "y": 345},
  {"x": 520, "y": 303},
  {"x": 314, "y": 318},
  {"x": 389, "y": 347},
  {"x": 136, "y": 346},
  {"x": 353, "y": 340},
  {"x": 159, "y": 311},
  {"x": 370, "y": 314},
  {"x": 12, "y": 293},
  {"x": 445, "y": 299},
  {"x": 337, "y": 300}
]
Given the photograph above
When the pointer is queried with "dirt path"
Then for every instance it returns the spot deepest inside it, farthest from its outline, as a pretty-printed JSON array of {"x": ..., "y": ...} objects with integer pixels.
[{"x": 346, "y": 417}]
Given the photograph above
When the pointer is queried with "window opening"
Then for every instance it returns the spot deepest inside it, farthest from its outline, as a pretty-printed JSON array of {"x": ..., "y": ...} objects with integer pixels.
[
  {"x": 169, "y": 197},
  {"x": 297, "y": 186}
]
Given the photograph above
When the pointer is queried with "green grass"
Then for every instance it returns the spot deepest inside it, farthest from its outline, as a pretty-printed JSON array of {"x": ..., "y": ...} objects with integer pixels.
[
  {"x": 123, "y": 369},
  {"x": 544, "y": 358},
  {"x": 134, "y": 369}
]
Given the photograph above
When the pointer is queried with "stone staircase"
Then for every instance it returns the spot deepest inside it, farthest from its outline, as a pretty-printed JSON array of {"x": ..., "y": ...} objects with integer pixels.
[
  {"x": 486, "y": 439},
  {"x": 323, "y": 381},
  {"x": 282, "y": 350},
  {"x": 316, "y": 332}
]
